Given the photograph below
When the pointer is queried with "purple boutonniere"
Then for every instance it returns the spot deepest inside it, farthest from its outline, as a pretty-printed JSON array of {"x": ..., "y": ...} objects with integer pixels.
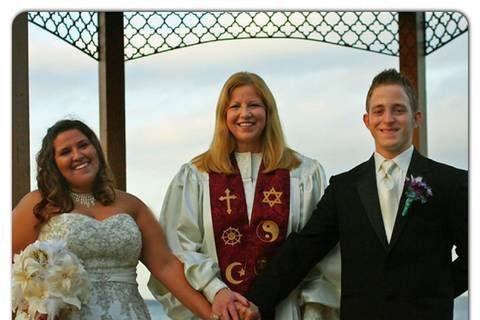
[{"x": 416, "y": 189}]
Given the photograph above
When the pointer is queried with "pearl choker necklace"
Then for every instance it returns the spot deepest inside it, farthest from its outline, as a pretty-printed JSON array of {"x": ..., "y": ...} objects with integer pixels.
[{"x": 85, "y": 199}]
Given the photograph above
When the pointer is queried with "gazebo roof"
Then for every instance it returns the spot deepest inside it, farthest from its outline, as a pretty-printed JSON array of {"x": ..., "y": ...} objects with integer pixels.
[
  {"x": 148, "y": 33},
  {"x": 112, "y": 38}
]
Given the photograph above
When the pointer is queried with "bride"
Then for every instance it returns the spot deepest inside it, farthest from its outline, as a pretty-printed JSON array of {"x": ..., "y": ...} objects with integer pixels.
[{"x": 108, "y": 229}]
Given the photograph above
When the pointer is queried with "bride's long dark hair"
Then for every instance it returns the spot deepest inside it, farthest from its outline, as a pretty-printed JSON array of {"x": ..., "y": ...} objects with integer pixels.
[{"x": 54, "y": 189}]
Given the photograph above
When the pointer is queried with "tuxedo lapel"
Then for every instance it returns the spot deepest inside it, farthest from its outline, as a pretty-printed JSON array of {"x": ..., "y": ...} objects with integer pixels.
[
  {"x": 418, "y": 167},
  {"x": 367, "y": 189}
]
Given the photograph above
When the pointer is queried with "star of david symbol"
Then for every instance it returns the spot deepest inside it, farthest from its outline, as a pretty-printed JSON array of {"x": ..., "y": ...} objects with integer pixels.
[{"x": 268, "y": 197}]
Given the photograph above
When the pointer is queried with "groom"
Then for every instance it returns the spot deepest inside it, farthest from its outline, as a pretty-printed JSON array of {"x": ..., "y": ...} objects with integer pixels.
[{"x": 397, "y": 217}]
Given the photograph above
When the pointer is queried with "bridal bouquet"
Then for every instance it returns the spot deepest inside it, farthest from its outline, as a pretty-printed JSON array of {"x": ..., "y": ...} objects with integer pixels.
[{"x": 47, "y": 278}]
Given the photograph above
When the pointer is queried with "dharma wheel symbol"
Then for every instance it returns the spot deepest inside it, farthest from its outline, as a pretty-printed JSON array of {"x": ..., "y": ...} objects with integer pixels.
[{"x": 231, "y": 236}]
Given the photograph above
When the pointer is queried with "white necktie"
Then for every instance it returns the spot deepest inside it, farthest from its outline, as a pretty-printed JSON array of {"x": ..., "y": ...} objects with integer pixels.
[{"x": 388, "y": 196}]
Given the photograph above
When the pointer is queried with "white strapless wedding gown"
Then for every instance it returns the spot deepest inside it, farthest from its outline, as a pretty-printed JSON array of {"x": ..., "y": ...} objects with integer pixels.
[{"x": 109, "y": 251}]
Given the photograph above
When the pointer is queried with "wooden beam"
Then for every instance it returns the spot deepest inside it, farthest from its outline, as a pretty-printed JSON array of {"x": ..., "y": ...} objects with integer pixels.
[
  {"x": 412, "y": 65},
  {"x": 20, "y": 110},
  {"x": 112, "y": 92}
]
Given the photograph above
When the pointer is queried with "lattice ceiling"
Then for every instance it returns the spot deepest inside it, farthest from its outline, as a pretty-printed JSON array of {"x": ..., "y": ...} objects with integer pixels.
[{"x": 148, "y": 33}]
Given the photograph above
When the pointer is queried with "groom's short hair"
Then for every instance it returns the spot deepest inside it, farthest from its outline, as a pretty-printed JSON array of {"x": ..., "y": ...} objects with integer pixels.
[{"x": 392, "y": 76}]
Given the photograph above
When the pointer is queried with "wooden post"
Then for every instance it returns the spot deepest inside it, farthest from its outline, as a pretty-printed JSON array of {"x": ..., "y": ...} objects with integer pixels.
[
  {"x": 112, "y": 92},
  {"x": 412, "y": 65},
  {"x": 20, "y": 110}
]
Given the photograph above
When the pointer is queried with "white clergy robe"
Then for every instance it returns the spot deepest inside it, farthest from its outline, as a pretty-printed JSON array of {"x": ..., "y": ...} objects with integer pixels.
[{"x": 187, "y": 222}]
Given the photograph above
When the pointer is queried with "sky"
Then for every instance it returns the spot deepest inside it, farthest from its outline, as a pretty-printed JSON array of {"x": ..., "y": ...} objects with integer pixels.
[{"x": 170, "y": 101}]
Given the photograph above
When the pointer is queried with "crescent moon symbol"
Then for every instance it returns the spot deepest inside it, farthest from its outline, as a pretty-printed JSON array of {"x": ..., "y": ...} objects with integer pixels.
[{"x": 228, "y": 273}]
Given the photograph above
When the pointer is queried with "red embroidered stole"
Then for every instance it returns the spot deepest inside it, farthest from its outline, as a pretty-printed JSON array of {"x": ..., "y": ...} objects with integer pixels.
[{"x": 243, "y": 249}]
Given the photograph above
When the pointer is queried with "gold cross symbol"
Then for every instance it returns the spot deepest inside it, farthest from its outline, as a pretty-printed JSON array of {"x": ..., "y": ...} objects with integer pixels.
[
  {"x": 228, "y": 197},
  {"x": 276, "y": 194}
]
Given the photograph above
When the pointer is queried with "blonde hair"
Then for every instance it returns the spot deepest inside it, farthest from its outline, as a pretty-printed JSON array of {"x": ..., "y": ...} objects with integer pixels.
[{"x": 276, "y": 154}]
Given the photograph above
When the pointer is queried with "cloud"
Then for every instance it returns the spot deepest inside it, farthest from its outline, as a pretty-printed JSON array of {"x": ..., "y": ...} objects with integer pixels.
[{"x": 47, "y": 52}]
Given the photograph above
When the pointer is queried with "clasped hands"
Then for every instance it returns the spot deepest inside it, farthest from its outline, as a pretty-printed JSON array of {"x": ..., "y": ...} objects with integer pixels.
[{"x": 230, "y": 305}]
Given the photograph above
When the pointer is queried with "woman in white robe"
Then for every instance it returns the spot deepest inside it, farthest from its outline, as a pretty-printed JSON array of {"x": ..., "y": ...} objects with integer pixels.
[{"x": 248, "y": 127}]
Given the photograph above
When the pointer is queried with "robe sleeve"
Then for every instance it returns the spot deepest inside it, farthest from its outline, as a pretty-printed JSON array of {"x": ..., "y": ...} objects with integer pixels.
[
  {"x": 182, "y": 220},
  {"x": 320, "y": 290}
]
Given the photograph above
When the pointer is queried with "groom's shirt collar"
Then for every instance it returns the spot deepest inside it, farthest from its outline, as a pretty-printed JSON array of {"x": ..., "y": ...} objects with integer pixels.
[{"x": 402, "y": 160}]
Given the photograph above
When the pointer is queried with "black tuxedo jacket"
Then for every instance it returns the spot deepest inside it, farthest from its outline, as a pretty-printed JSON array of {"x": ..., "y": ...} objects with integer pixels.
[{"x": 412, "y": 277}]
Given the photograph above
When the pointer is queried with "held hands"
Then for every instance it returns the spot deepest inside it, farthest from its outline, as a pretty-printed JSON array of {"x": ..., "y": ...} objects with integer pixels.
[
  {"x": 223, "y": 305},
  {"x": 230, "y": 305},
  {"x": 248, "y": 313}
]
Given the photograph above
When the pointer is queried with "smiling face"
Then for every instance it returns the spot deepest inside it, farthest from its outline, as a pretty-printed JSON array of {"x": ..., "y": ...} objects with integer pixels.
[
  {"x": 246, "y": 117},
  {"x": 76, "y": 159},
  {"x": 390, "y": 120}
]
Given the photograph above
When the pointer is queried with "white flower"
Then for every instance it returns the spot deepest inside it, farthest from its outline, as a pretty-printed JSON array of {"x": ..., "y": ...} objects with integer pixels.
[
  {"x": 18, "y": 302},
  {"x": 47, "y": 278},
  {"x": 26, "y": 272},
  {"x": 35, "y": 296},
  {"x": 22, "y": 315},
  {"x": 68, "y": 280}
]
